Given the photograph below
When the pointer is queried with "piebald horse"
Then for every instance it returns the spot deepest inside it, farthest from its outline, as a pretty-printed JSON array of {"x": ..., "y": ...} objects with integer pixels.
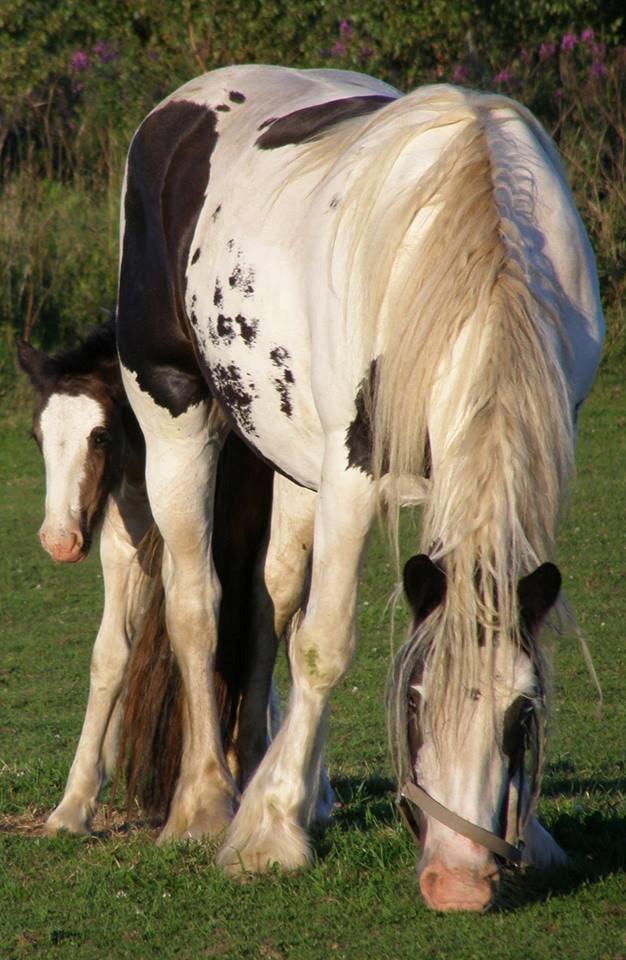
[
  {"x": 94, "y": 457},
  {"x": 379, "y": 293}
]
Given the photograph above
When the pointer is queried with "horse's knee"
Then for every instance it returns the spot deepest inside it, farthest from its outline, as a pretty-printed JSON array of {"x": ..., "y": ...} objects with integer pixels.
[{"x": 316, "y": 663}]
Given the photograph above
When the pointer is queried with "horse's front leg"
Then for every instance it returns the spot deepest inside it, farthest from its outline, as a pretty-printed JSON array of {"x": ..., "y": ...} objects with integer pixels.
[
  {"x": 181, "y": 462},
  {"x": 96, "y": 754},
  {"x": 279, "y": 804}
]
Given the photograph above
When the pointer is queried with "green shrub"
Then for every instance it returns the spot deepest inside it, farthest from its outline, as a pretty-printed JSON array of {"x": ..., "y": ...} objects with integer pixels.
[{"x": 77, "y": 78}]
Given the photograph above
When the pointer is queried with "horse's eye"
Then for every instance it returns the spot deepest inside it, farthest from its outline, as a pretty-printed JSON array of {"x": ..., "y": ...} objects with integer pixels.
[{"x": 100, "y": 437}]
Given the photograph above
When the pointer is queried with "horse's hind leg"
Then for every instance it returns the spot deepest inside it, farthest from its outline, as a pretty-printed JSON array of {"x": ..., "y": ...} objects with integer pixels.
[
  {"x": 279, "y": 586},
  {"x": 95, "y": 755},
  {"x": 181, "y": 463},
  {"x": 279, "y": 803}
]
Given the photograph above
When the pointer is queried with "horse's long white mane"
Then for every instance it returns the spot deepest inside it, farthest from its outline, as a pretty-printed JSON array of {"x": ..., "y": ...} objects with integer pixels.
[{"x": 498, "y": 480}]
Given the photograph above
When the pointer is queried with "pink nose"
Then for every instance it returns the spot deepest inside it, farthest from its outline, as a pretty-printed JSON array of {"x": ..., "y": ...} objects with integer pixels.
[
  {"x": 459, "y": 889},
  {"x": 63, "y": 546}
]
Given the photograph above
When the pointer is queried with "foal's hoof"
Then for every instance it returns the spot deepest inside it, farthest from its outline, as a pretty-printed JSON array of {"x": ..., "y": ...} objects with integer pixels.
[{"x": 279, "y": 844}]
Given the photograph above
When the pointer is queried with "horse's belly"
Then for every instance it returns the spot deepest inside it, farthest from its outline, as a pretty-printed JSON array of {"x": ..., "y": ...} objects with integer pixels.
[{"x": 257, "y": 367}]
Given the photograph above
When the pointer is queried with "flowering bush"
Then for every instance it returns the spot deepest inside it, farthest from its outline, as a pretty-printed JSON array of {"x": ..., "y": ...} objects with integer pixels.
[{"x": 77, "y": 78}]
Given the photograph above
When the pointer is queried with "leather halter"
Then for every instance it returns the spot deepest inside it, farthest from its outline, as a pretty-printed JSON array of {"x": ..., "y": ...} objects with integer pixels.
[{"x": 411, "y": 792}]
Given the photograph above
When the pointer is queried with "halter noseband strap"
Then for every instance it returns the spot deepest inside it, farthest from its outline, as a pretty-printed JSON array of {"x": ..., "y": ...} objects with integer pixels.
[{"x": 417, "y": 795}]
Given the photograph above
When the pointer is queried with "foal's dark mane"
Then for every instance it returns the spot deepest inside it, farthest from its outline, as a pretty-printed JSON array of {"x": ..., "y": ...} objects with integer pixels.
[
  {"x": 89, "y": 353},
  {"x": 94, "y": 356}
]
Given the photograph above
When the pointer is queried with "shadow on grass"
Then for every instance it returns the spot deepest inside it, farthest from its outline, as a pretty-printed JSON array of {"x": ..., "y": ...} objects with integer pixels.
[
  {"x": 593, "y": 841},
  {"x": 563, "y": 778}
]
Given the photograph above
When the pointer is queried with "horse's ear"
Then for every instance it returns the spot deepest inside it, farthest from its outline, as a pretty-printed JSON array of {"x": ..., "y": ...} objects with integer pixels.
[
  {"x": 538, "y": 592},
  {"x": 37, "y": 364},
  {"x": 424, "y": 585}
]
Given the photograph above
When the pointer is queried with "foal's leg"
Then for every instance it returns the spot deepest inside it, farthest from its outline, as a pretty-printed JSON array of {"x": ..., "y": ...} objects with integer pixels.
[
  {"x": 181, "y": 463},
  {"x": 280, "y": 582},
  {"x": 278, "y": 805},
  {"x": 95, "y": 755}
]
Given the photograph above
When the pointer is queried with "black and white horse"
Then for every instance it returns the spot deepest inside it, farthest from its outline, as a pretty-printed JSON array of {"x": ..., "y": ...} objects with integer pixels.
[{"x": 387, "y": 297}]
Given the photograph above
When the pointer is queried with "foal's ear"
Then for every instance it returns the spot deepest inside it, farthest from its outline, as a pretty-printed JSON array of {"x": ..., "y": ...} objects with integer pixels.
[
  {"x": 37, "y": 364},
  {"x": 538, "y": 592},
  {"x": 424, "y": 585}
]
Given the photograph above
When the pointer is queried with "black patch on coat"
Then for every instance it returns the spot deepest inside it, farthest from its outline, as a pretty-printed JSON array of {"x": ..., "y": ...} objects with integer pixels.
[
  {"x": 218, "y": 296},
  {"x": 359, "y": 434},
  {"x": 216, "y": 212},
  {"x": 226, "y": 329},
  {"x": 223, "y": 108},
  {"x": 196, "y": 256},
  {"x": 234, "y": 394},
  {"x": 242, "y": 278},
  {"x": 169, "y": 166},
  {"x": 235, "y": 97},
  {"x": 307, "y": 124},
  {"x": 282, "y": 388},
  {"x": 279, "y": 357}
]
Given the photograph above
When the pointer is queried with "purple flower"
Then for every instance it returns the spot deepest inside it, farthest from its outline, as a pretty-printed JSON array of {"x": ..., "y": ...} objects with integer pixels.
[
  {"x": 504, "y": 76},
  {"x": 460, "y": 73},
  {"x": 366, "y": 52},
  {"x": 558, "y": 94},
  {"x": 598, "y": 70},
  {"x": 598, "y": 50},
  {"x": 546, "y": 50},
  {"x": 105, "y": 52},
  {"x": 79, "y": 61},
  {"x": 345, "y": 30},
  {"x": 338, "y": 49},
  {"x": 153, "y": 55},
  {"x": 587, "y": 36},
  {"x": 568, "y": 42},
  {"x": 526, "y": 56}
]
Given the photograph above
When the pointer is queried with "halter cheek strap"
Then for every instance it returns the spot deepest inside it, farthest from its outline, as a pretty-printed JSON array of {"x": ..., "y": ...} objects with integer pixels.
[{"x": 415, "y": 794}]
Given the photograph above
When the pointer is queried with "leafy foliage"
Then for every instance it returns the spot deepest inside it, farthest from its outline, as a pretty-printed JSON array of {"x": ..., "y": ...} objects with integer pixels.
[{"x": 78, "y": 77}]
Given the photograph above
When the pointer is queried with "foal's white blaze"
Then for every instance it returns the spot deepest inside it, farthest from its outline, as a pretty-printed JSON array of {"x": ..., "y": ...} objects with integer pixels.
[
  {"x": 66, "y": 423},
  {"x": 469, "y": 776}
]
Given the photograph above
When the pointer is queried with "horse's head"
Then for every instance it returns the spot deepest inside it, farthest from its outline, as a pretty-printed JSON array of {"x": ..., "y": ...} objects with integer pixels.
[
  {"x": 471, "y": 768},
  {"x": 77, "y": 424}
]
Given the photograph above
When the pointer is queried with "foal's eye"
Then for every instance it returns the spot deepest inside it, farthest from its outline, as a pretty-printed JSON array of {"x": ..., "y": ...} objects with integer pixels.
[{"x": 100, "y": 437}]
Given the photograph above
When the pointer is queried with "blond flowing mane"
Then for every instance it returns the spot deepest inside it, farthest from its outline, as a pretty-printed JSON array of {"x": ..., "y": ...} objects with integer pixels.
[{"x": 465, "y": 325}]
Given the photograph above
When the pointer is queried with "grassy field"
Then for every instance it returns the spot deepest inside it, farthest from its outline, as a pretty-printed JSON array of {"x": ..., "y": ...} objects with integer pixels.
[{"x": 116, "y": 895}]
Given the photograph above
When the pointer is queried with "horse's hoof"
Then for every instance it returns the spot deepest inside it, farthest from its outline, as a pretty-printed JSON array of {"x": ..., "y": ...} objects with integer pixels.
[
  {"x": 68, "y": 819},
  {"x": 208, "y": 823},
  {"x": 279, "y": 844}
]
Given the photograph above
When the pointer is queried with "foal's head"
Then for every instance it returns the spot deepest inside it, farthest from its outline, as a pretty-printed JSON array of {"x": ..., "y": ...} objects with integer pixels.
[
  {"x": 78, "y": 426},
  {"x": 469, "y": 751}
]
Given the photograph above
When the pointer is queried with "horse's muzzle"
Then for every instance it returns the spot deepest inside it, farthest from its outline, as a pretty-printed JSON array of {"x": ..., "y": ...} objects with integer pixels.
[
  {"x": 63, "y": 546},
  {"x": 459, "y": 889}
]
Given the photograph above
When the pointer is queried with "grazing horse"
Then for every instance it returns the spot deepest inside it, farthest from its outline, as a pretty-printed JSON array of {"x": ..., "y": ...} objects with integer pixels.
[
  {"x": 378, "y": 293},
  {"x": 95, "y": 462}
]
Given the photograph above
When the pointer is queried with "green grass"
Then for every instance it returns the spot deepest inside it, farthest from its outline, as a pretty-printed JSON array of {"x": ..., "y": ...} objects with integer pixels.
[{"x": 117, "y": 895}]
